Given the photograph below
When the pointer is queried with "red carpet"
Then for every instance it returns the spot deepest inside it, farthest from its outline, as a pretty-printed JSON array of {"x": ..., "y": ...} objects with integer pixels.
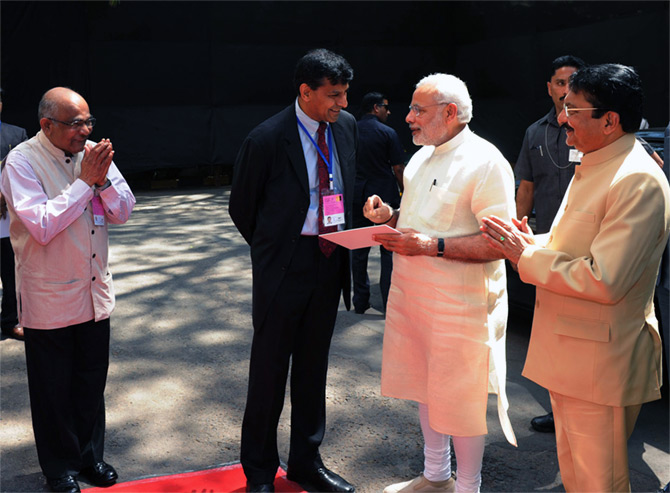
[{"x": 225, "y": 479}]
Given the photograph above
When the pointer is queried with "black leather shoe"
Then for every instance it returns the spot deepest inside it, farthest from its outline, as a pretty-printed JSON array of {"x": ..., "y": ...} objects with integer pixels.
[
  {"x": 266, "y": 487},
  {"x": 67, "y": 484},
  {"x": 361, "y": 309},
  {"x": 320, "y": 479},
  {"x": 100, "y": 474},
  {"x": 544, "y": 424}
]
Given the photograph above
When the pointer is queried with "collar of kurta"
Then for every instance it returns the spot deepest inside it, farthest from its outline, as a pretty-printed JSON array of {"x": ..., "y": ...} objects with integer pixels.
[
  {"x": 454, "y": 142},
  {"x": 52, "y": 149},
  {"x": 623, "y": 144}
]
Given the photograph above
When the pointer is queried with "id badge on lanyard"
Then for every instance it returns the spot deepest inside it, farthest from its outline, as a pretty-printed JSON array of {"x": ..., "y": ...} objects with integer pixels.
[
  {"x": 98, "y": 211},
  {"x": 332, "y": 202},
  {"x": 333, "y": 208}
]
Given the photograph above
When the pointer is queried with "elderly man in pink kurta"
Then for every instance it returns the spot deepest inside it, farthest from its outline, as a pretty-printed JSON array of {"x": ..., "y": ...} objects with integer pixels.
[
  {"x": 444, "y": 342},
  {"x": 62, "y": 191}
]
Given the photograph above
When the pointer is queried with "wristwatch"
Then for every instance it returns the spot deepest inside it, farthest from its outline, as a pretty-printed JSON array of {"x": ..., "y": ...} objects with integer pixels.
[
  {"x": 107, "y": 184},
  {"x": 440, "y": 247},
  {"x": 389, "y": 219}
]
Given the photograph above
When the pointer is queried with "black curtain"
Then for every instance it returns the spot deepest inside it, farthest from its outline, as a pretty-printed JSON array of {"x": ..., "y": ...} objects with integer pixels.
[{"x": 178, "y": 85}]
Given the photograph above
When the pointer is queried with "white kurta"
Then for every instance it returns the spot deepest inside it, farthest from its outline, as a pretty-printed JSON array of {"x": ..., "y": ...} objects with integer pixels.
[{"x": 444, "y": 341}]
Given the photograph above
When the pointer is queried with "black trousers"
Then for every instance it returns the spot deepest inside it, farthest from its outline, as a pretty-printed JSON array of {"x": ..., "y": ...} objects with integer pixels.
[
  {"x": 67, "y": 373},
  {"x": 359, "y": 272},
  {"x": 359, "y": 264},
  {"x": 296, "y": 332},
  {"x": 8, "y": 314}
]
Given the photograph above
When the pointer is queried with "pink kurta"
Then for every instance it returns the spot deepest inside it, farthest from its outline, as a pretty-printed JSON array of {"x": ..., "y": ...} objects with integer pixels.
[
  {"x": 51, "y": 220},
  {"x": 444, "y": 341}
]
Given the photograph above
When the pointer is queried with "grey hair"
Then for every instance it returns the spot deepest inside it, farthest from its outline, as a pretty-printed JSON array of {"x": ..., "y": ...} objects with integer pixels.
[
  {"x": 451, "y": 89},
  {"x": 48, "y": 107}
]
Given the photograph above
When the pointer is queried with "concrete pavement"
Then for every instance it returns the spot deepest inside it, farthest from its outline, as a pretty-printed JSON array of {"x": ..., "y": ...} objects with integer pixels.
[{"x": 177, "y": 384}]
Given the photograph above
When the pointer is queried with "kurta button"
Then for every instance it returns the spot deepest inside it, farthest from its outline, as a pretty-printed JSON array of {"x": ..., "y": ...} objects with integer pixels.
[
  {"x": 93, "y": 231},
  {"x": 67, "y": 161},
  {"x": 93, "y": 278},
  {"x": 94, "y": 255}
]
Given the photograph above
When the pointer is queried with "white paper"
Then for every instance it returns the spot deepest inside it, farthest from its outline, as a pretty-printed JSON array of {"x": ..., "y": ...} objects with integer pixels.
[{"x": 360, "y": 237}]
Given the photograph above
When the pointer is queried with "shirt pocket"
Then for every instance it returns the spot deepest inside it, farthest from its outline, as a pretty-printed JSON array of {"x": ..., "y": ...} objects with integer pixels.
[
  {"x": 437, "y": 211},
  {"x": 581, "y": 216}
]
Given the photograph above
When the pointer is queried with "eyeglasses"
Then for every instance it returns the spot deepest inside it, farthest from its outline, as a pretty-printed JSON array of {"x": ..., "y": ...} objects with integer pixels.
[
  {"x": 418, "y": 110},
  {"x": 570, "y": 110},
  {"x": 382, "y": 105},
  {"x": 76, "y": 124}
]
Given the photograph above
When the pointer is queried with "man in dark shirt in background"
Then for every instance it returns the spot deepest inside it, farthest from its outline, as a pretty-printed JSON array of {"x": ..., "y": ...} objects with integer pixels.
[
  {"x": 379, "y": 167},
  {"x": 545, "y": 167},
  {"x": 546, "y": 163}
]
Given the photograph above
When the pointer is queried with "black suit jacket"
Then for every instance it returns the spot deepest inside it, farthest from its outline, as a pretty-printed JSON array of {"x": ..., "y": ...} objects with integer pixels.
[
  {"x": 270, "y": 198},
  {"x": 10, "y": 137}
]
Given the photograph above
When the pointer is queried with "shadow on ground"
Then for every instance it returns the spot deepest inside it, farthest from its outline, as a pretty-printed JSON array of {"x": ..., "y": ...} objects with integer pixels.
[{"x": 177, "y": 384}]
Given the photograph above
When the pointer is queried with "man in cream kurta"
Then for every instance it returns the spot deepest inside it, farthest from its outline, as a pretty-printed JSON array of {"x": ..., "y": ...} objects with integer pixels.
[
  {"x": 595, "y": 343},
  {"x": 444, "y": 341}
]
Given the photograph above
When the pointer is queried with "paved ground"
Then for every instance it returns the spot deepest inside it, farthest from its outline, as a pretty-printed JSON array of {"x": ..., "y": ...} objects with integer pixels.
[{"x": 177, "y": 383}]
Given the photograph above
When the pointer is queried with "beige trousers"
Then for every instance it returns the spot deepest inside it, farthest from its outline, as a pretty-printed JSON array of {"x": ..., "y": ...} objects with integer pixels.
[{"x": 592, "y": 444}]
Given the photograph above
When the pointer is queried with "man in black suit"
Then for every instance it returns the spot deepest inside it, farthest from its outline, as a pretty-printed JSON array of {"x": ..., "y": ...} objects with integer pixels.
[
  {"x": 381, "y": 160},
  {"x": 286, "y": 168},
  {"x": 10, "y": 137}
]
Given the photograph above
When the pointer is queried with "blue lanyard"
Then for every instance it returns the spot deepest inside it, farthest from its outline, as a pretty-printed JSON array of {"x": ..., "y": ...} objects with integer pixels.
[{"x": 329, "y": 160}]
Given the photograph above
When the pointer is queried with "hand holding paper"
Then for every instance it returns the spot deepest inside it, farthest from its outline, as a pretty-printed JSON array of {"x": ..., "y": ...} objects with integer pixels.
[
  {"x": 360, "y": 237},
  {"x": 409, "y": 242}
]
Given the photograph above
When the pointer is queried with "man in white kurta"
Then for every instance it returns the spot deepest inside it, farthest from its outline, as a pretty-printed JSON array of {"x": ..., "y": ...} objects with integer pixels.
[{"x": 444, "y": 341}]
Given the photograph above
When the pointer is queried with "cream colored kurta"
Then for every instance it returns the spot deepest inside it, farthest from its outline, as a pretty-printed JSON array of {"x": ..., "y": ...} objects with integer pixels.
[
  {"x": 444, "y": 341},
  {"x": 595, "y": 336}
]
